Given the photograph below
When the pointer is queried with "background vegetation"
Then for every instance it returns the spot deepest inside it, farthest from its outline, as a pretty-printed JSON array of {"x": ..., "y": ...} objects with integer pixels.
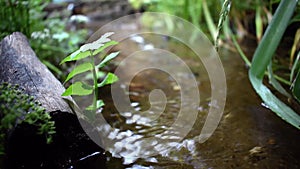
[{"x": 47, "y": 32}]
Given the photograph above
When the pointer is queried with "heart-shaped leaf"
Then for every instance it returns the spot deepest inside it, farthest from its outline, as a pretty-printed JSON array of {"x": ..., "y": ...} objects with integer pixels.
[
  {"x": 97, "y": 44},
  {"x": 79, "y": 69},
  {"x": 78, "y": 88},
  {"x": 100, "y": 104},
  {"x": 77, "y": 55},
  {"x": 109, "y": 79},
  {"x": 106, "y": 45},
  {"x": 107, "y": 59}
]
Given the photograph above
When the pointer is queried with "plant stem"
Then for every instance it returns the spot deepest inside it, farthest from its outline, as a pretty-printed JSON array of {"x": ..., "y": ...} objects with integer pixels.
[
  {"x": 223, "y": 15},
  {"x": 236, "y": 44},
  {"x": 95, "y": 83}
]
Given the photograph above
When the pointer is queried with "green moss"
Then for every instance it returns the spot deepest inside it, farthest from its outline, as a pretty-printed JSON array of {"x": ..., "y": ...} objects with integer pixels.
[{"x": 17, "y": 107}]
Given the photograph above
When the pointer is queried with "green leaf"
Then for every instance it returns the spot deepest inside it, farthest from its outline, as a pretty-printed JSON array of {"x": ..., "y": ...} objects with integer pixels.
[
  {"x": 89, "y": 76},
  {"x": 109, "y": 79},
  {"x": 107, "y": 59},
  {"x": 277, "y": 106},
  {"x": 85, "y": 50},
  {"x": 100, "y": 104},
  {"x": 77, "y": 55},
  {"x": 263, "y": 56},
  {"x": 79, "y": 69},
  {"x": 96, "y": 44},
  {"x": 78, "y": 88},
  {"x": 49, "y": 140},
  {"x": 106, "y": 45}
]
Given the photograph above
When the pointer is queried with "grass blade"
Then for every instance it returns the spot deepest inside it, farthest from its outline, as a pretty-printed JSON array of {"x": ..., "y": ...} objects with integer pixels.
[
  {"x": 263, "y": 56},
  {"x": 258, "y": 23},
  {"x": 295, "y": 66},
  {"x": 266, "y": 49},
  {"x": 275, "y": 83},
  {"x": 209, "y": 20},
  {"x": 277, "y": 106},
  {"x": 238, "y": 47},
  {"x": 294, "y": 47},
  {"x": 296, "y": 87}
]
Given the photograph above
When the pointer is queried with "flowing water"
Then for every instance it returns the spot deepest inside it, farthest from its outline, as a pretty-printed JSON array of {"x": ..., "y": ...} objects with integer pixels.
[{"x": 248, "y": 136}]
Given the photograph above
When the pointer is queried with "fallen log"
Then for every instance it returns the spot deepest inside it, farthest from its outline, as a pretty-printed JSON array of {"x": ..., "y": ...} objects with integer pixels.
[{"x": 19, "y": 65}]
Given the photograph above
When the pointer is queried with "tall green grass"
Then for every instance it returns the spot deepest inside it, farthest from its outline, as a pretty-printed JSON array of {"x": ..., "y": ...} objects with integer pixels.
[
  {"x": 195, "y": 11},
  {"x": 263, "y": 58}
]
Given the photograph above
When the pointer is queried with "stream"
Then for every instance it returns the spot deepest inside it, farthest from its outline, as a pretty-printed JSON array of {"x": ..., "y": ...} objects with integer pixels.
[{"x": 248, "y": 135}]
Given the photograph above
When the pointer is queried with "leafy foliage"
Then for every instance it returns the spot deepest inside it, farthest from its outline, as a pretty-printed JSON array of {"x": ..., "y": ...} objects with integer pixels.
[
  {"x": 47, "y": 34},
  {"x": 80, "y": 88},
  {"x": 17, "y": 107}
]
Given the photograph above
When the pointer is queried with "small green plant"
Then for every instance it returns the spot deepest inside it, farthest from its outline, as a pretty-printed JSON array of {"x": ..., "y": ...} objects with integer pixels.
[
  {"x": 90, "y": 51},
  {"x": 17, "y": 107}
]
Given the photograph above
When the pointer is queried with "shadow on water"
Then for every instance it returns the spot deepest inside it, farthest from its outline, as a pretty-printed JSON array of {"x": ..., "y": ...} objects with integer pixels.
[{"x": 248, "y": 136}]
